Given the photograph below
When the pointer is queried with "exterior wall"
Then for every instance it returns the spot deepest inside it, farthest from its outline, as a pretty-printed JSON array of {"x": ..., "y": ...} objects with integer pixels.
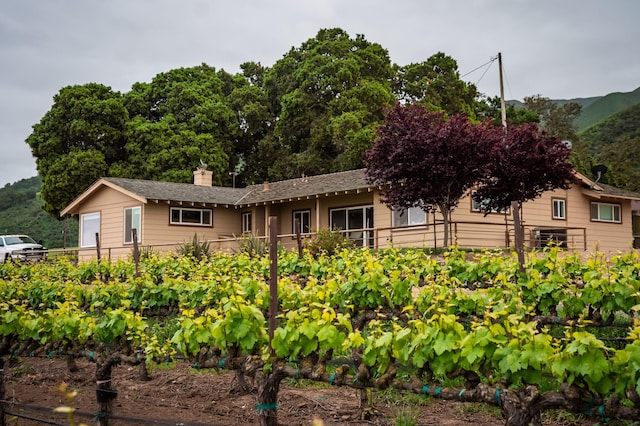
[
  {"x": 468, "y": 228},
  {"x": 110, "y": 204},
  {"x": 156, "y": 231},
  {"x": 163, "y": 236}
]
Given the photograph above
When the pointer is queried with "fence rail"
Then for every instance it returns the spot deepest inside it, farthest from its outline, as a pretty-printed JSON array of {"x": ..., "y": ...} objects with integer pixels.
[{"x": 472, "y": 235}]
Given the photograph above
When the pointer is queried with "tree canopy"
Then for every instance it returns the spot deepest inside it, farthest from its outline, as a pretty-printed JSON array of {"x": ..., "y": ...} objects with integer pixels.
[
  {"x": 421, "y": 159},
  {"x": 316, "y": 110},
  {"x": 525, "y": 163}
]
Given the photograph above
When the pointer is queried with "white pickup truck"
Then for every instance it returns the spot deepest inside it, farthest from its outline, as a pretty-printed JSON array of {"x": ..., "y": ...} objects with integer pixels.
[{"x": 21, "y": 248}]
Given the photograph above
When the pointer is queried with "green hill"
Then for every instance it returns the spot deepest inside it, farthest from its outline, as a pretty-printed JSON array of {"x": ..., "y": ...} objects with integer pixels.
[
  {"x": 21, "y": 213},
  {"x": 606, "y": 106},
  {"x": 615, "y": 142}
]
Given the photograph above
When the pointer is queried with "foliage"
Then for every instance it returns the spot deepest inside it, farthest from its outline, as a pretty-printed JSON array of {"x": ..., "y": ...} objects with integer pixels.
[
  {"x": 556, "y": 120},
  {"x": 420, "y": 159},
  {"x": 21, "y": 213},
  {"x": 328, "y": 242},
  {"x": 77, "y": 140},
  {"x": 614, "y": 142},
  {"x": 328, "y": 97},
  {"x": 526, "y": 164},
  {"x": 196, "y": 248},
  {"x": 253, "y": 245},
  {"x": 420, "y": 314},
  {"x": 436, "y": 84},
  {"x": 316, "y": 110}
]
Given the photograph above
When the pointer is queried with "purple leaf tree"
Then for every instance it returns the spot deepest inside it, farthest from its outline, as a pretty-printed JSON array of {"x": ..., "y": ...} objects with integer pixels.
[{"x": 422, "y": 160}]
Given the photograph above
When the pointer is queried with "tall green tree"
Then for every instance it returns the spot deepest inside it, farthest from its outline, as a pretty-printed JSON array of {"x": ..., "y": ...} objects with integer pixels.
[
  {"x": 77, "y": 140},
  {"x": 328, "y": 96},
  {"x": 556, "y": 120},
  {"x": 182, "y": 116},
  {"x": 436, "y": 84}
]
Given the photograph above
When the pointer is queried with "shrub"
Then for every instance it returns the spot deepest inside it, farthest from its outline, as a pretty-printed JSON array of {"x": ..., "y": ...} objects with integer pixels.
[
  {"x": 328, "y": 242},
  {"x": 195, "y": 248},
  {"x": 253, "y": 245}
]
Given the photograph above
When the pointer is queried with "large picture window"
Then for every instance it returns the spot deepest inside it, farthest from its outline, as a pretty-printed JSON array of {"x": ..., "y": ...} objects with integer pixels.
[
  {"x": 132, "y": 220},
  {"x": 605, "y": 212},
  {"x": 89, "y": 227},
  {"x": 409, "y": 217},
  {"x": 304, "y": 216},
  {"x": 357, "y": 219},
  {"x": 190, "y": 217}
]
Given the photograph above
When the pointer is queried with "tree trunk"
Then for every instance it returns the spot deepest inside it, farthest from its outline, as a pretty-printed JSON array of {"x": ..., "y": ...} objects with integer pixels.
[{"x": 445, "y": 224}]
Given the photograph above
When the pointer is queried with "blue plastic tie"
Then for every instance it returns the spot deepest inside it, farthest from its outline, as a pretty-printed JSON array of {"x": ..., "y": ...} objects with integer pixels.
[
  {"x": 498, "y": 395},
  {"x": 437, "y": 392},
  {"x": 332, "y": 378},
  {"x": 589, "y": 407},
  {"x": 263, "y": 407},
  {"x": 460, "y": 394},
  {"x": 425, "y": 389},
  {"x": 221, "y": 362}
]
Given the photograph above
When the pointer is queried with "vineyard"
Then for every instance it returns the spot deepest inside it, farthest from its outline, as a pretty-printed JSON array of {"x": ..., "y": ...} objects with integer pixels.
[{"x": 561, "y": 334}]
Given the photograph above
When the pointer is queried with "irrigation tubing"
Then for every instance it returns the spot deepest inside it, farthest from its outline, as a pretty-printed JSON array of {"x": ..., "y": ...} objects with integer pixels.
[{"x": 135, "y": 420}]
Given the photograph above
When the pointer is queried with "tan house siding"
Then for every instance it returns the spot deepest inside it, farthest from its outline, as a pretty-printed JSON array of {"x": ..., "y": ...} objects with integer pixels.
[
  {"x": 110, "y": 204},
  {"x": 320, "y": 194},
  {"x": 611, "y": 237}
]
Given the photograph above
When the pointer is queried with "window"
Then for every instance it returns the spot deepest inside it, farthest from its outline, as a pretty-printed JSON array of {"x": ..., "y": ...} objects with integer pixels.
[
  {"x": 477, "y": 206},
  {"x": 559, "y": 211},
  {"x": 409, "y": 217},
  {"x": 89, "y": 227},
  {"x": 191, "y": 217},
  {"x": 357, "y": 218},
  {"x": 605, "y": 212},
  {"x": 304, "y": 216},
  {"x": 546, "y": 236},
  {"x": 246, "y": 222},
  {"x": 132, "y": 220}
]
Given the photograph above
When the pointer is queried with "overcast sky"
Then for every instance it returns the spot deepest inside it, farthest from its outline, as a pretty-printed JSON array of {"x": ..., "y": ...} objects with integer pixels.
[{"x": 560, "y": 49}]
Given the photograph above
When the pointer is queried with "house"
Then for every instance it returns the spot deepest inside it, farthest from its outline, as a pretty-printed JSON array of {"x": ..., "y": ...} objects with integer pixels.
[{"x": 588, "y": 216}]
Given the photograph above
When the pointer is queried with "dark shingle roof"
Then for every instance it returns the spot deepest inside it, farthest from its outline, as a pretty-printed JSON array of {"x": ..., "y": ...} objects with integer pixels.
[
  {"x": 307, "y": 186},
  {"x": 181, "y": 192},
  {"x": 617, "y": 192},
  {"x": 331, "y": 183}
]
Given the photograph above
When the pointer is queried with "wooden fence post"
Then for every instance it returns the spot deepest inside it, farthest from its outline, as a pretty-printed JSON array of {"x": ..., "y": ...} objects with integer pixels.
[
  {"x": 136, "y": 251},
  {"x": 2, "y": 413},
  {"x": 98, "y": 246},
  {"x": 298, "y": 239}
]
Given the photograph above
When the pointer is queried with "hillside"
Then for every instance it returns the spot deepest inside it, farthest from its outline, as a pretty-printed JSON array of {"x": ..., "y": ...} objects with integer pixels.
[
  {"x": 596, "y": 108},
  {"x": 615, "y": 142},
  {"x": 21, "y": 213},
  {"x": 606, "y": 106}
]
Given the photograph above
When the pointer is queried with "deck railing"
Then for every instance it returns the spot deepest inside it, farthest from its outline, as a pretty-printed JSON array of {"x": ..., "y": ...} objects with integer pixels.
[{"x": 472, "y": 235}]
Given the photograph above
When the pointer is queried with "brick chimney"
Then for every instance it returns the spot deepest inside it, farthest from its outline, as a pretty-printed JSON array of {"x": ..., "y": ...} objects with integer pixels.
[{"x": 202, "y": 177}]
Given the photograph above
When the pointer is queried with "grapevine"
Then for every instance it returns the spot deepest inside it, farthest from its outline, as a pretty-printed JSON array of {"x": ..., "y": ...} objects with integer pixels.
[{"x": 473, "y": 320}]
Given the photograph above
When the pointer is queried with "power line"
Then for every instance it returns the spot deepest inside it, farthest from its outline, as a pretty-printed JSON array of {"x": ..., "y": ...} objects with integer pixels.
[{"x": 492, "y": 60}]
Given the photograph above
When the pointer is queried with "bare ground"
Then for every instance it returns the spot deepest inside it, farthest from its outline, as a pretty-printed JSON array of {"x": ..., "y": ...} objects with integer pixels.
[{"x": 180, "y": 395}]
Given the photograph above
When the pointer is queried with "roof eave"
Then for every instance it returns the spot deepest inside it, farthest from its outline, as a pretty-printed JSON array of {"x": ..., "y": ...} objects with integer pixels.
[{"x": 73, "y": 207}]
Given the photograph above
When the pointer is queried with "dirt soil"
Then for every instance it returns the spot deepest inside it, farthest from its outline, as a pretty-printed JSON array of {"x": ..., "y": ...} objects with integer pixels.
[{"x": 180, "y": 395}]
